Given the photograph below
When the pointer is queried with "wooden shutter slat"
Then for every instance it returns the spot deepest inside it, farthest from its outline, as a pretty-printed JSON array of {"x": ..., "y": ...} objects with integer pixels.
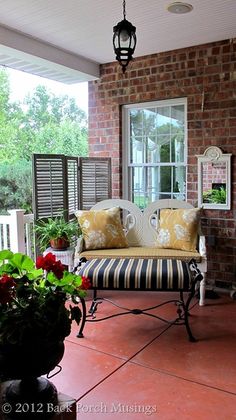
[
  {"x": 55, "y": 185},
  {"x": 72, "y": 185},
  {"x": 95, "y": 181},
  {"x": 59, "y": 186}
]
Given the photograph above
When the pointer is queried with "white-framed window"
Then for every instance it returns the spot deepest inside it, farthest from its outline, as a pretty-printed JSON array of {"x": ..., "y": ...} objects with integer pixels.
[{"x": 155, "y": 150}]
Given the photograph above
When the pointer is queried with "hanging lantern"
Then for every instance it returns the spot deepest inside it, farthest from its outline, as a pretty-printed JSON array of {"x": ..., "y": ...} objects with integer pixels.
[{"x": 124, "y": 41}]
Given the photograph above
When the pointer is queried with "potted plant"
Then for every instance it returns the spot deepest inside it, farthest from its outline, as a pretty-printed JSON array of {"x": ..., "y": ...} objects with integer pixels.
[
  {"x": 35, "y": 318},
  {"x": 56, "y": 232}
]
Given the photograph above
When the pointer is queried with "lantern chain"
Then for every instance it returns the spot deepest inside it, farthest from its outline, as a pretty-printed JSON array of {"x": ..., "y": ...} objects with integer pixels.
[{"x": 124, "y": 12}]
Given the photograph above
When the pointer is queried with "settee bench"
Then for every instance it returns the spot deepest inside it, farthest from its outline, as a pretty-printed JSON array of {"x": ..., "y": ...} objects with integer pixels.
[{"x": 144, "y": 266}]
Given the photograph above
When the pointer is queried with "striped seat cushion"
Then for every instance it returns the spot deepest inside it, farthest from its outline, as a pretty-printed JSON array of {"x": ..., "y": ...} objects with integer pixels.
[{"x": 138, "y": 274}]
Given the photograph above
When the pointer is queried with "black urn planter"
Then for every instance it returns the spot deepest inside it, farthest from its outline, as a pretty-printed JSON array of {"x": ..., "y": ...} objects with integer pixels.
[{"x": 28, "y": 395}]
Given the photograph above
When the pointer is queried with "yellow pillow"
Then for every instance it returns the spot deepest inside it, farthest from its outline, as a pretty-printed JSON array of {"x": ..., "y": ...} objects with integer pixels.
[
  {"x": 178, "y": 229},
  {"x": 102, "y": 229}
]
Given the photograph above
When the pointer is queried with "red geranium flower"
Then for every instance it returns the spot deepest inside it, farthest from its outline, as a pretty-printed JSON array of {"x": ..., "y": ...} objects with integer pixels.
[
  {"x": 6, "y": 291},
  {"x": 86, "y": 284},
  {"x": 58, "y": 269},
  {"x": 46, "y": 262},
  {"x": 49, "y": 263}
]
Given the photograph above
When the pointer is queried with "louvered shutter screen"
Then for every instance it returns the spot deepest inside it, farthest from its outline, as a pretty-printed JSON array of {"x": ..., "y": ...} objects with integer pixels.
[
  {"x": 73, "y": 185},
  {"x": 55, "y": 185},
  {"x": 95, "y": 181}
]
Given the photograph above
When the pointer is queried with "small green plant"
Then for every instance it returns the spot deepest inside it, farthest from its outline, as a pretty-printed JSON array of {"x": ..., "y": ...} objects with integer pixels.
[
  {"x": 215, "y": 196},
  {"x": 54, "y": 229}
]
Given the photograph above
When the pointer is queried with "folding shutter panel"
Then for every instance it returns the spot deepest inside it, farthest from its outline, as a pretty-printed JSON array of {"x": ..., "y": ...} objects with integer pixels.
[
  {"x": 55, "y": 180},
  {"x": 73, "y": 185},
  {"x": 95, "y": 181}
]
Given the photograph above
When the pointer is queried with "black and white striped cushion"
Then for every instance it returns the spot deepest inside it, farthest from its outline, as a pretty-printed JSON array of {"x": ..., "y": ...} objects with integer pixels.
[{"x": 142, "y": 274}]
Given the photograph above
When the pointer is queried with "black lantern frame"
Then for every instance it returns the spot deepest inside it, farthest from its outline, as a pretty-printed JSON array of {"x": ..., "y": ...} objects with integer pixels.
[{"x": 124, "y": 41}]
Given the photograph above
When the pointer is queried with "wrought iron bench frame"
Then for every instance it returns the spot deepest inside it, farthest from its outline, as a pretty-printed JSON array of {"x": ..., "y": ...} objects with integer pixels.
[{"x": 182, "y": 305}]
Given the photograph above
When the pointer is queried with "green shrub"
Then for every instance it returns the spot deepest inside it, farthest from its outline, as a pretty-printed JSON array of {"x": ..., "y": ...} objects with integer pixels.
[{"x": 16, "y": 186}]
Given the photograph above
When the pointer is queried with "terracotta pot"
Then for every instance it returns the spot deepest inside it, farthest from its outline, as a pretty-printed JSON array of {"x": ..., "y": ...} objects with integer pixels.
[{"x": 59, "y": 243}]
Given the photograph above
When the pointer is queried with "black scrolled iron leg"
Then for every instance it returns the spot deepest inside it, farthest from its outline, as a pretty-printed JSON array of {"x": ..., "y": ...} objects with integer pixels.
[
  {"x": 94, "y": 306},
  {"x": 91, "y": 309},
  {"x": 83, "y": 319},
  {"x": 186, "y": 315},
  {"x": 196, "y": 277}
]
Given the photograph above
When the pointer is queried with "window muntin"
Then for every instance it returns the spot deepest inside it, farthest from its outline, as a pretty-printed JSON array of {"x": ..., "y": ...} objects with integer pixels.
[{"x": 155, "y": 158}]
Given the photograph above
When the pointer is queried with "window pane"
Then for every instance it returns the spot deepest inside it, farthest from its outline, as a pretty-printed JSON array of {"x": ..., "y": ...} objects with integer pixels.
[
  {"x": 145, "y": 182},
  {"x": 177, "y": 147},
  {"x": 136, "y": 122},
  {"x": 138, "y": 181},
  {"x": 149, "y": 121},
  {"x": 163, "y": 120},
  {"x": 164, "y": 147},
  {"x": 165, "y": 175},
  {"x": 153, "y": 182},
  {"x": 152, "y": 150},
  {"x": 136, "y": 150},
  {"x": 179, "y": 184},
  {"x": 177, "y": 118},
  {"x": 164, "y": 196}
]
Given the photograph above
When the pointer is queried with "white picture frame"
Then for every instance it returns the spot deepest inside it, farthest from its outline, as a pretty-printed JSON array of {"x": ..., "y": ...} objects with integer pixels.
[{"x": 214, "y": 179}]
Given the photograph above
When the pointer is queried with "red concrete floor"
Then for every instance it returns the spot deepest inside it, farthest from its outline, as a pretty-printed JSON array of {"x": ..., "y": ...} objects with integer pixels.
[{"x": 135, "y": 367}]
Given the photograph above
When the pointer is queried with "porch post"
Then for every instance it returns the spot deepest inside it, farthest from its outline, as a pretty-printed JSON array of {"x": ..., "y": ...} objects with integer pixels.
[{"x": 17, "y": 232}]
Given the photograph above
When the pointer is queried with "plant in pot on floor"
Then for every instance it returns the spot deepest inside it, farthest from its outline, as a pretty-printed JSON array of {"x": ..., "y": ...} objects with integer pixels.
[
  {"x": 35, "y": 318},
  {"x": 56, "y": 232}
]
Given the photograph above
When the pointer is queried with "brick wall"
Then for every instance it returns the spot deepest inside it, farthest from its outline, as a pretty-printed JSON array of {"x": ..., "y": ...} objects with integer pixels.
[{"x": 209, "y": 68}]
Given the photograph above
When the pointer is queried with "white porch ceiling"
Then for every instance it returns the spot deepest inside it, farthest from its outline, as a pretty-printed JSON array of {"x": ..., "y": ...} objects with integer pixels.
[{"x": 67, "y": 40}]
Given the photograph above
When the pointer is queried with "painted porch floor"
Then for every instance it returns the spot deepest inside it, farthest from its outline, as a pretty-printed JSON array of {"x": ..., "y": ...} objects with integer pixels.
[{"x": 134, "y": 367}]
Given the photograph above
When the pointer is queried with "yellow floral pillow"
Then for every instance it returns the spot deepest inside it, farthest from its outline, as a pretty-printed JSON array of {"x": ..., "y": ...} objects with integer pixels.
[
  {"x": 102, "y": 229},
  {"x": 178, "y": 229}
]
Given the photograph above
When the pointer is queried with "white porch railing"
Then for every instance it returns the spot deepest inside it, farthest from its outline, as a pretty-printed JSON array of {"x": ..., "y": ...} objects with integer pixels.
[{"x": 16, "y": 232}]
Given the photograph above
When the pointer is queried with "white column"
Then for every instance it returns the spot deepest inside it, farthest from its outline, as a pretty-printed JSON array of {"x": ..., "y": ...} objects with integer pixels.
[
  {"x": 17, "y": 233},
  {"x": 202, "y": 290}
]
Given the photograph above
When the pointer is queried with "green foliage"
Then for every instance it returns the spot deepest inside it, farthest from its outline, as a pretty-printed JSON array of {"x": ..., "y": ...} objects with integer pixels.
[
  {"x": 4, "y": 94},
  {"x": 215, "y": 196},
  {"x": 43, "y": 107},
  {"x": 67, "y": 138},
  {"x": 15, "y": 186},
  {"x": 54, "y": 229},
  {"x": 32, "y": 299}
]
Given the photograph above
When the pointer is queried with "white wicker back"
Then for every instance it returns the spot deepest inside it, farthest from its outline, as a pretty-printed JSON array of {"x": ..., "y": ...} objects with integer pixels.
[{"x": 141, "y": 227}]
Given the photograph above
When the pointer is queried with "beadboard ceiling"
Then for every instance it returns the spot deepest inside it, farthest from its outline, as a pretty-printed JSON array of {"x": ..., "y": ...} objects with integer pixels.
[{"x": 76, "y": 35}]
